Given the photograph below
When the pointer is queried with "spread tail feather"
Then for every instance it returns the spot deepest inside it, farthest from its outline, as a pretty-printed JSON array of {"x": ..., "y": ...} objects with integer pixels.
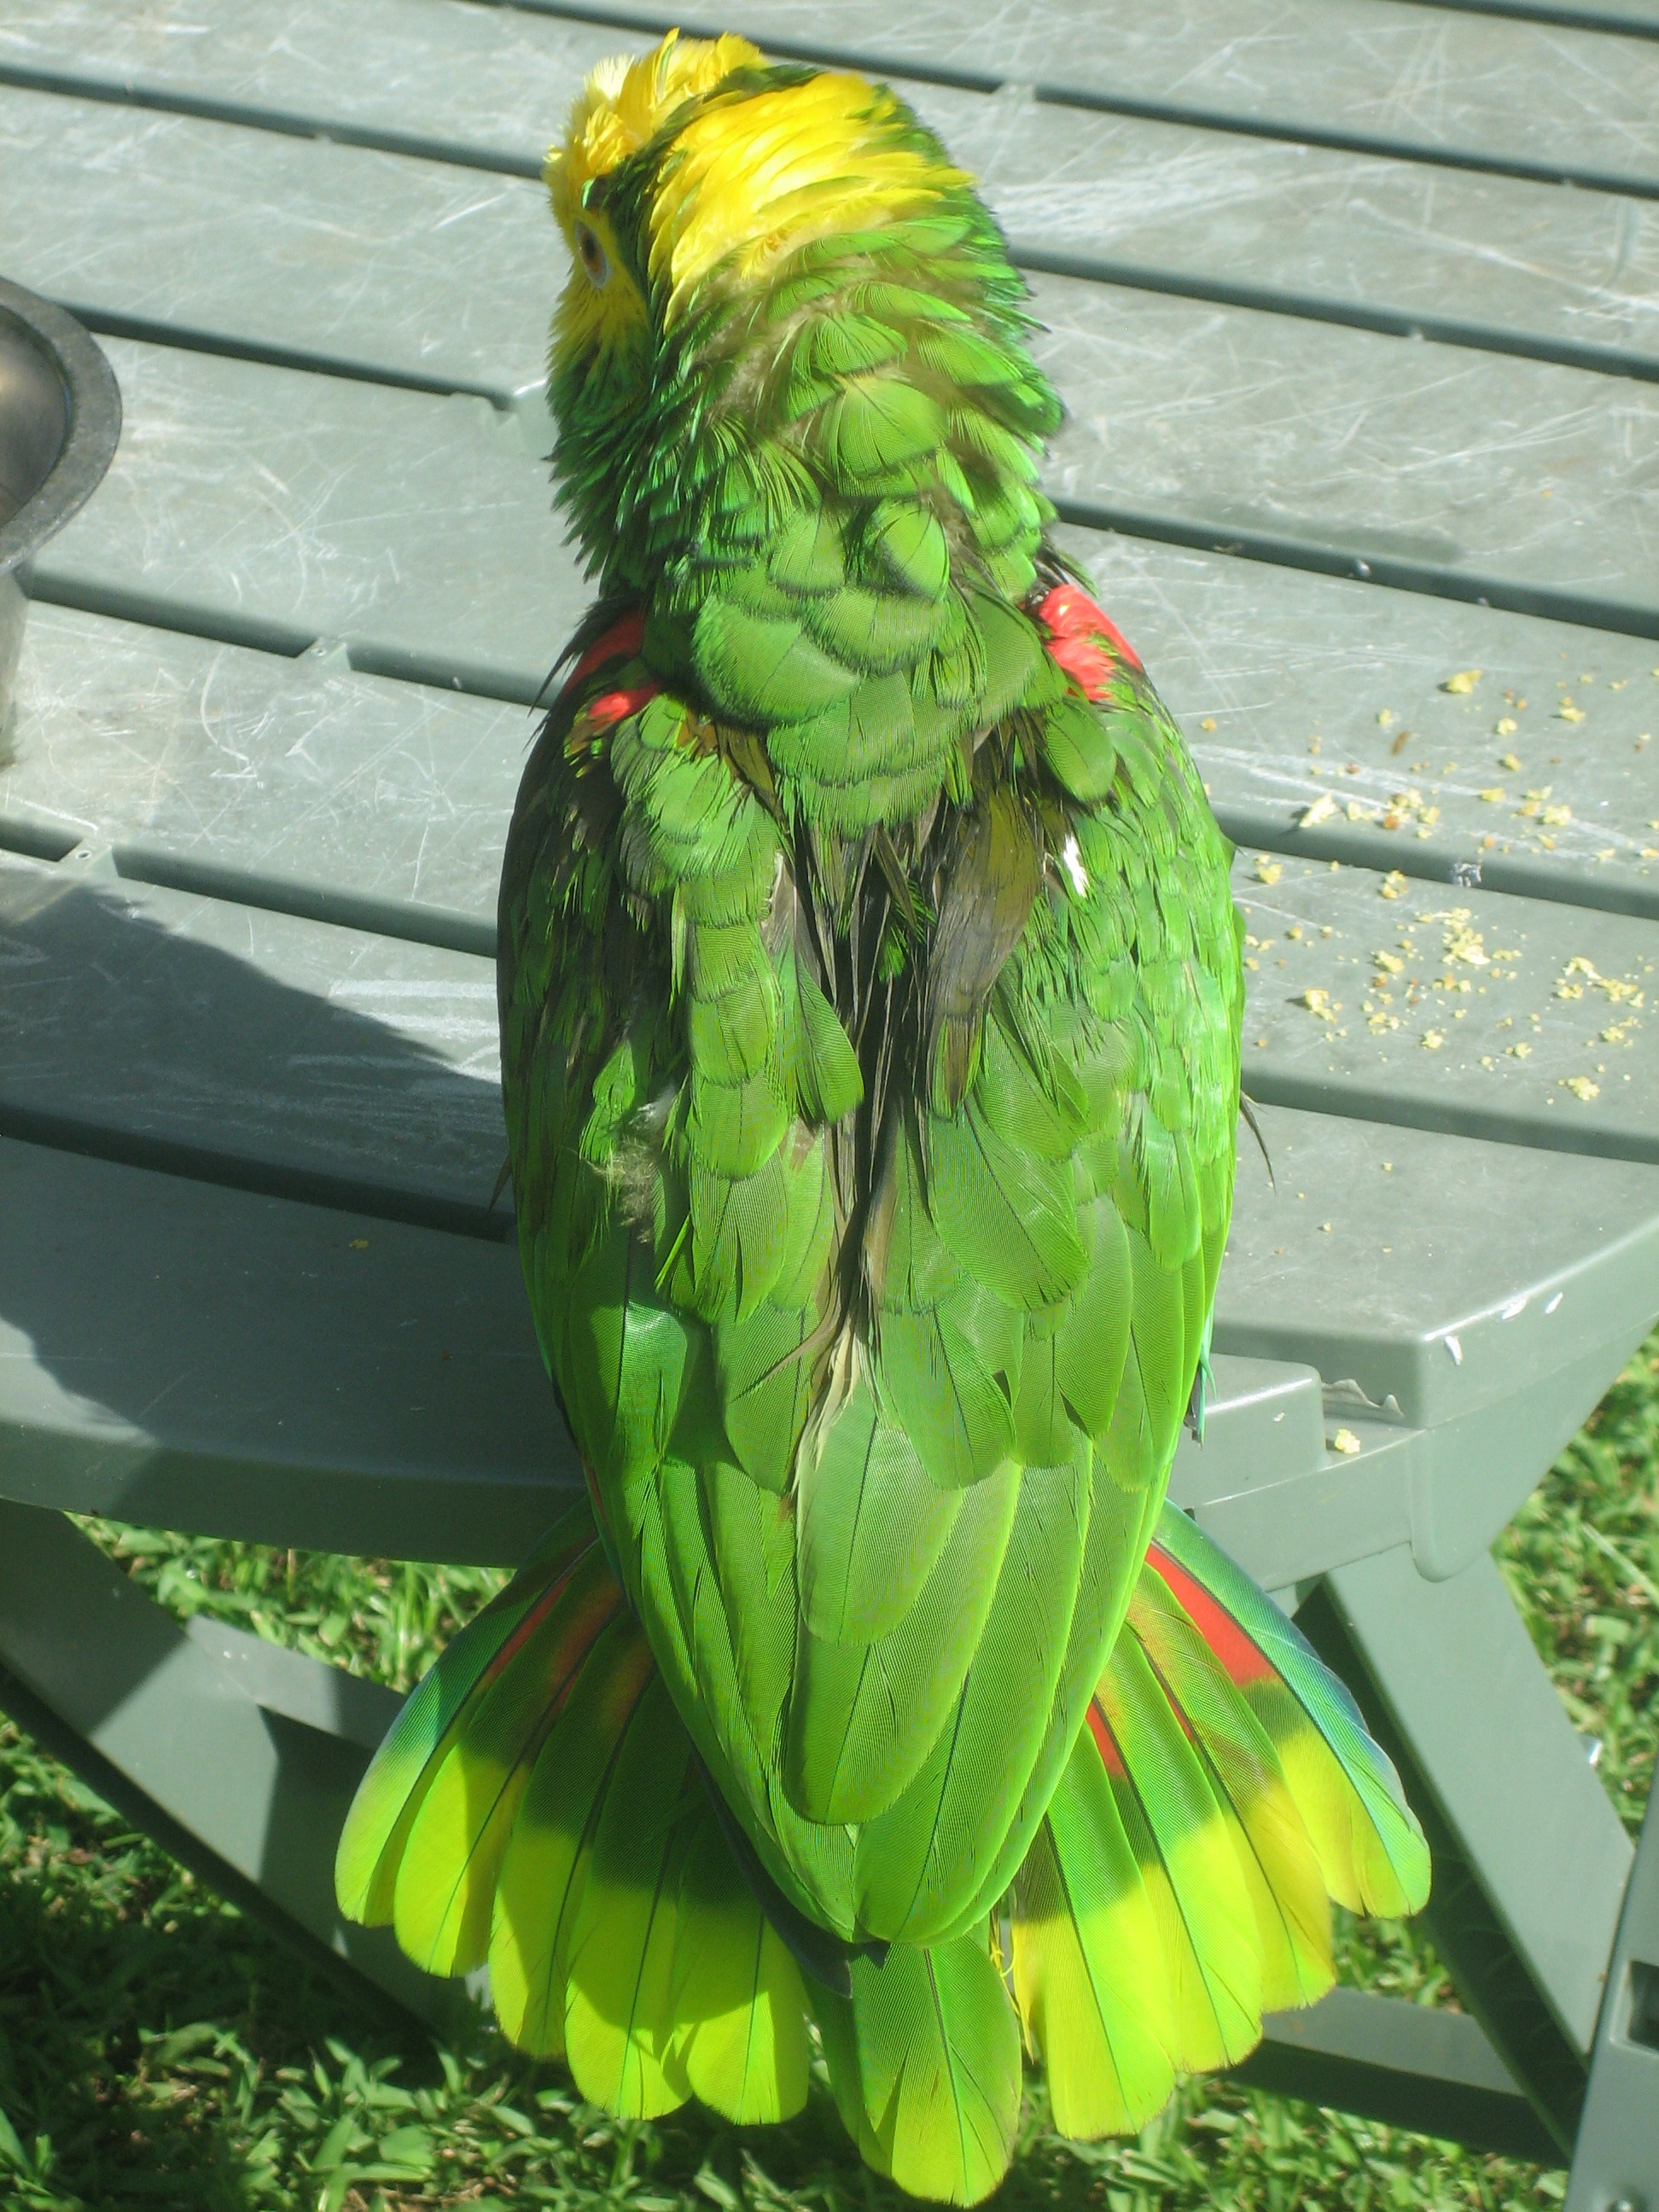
[
  {"x": 1224, "y": 1788},
  {"x": 538, "y": 1804},
  {"x": 924, "y": 2062}
]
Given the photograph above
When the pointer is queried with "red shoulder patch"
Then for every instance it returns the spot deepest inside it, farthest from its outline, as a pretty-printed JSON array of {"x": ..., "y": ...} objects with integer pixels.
[
  {"x": 613, "y": 706},
  {"x": 1085, "y": 642},
  {"x": 623, "y": 639}
]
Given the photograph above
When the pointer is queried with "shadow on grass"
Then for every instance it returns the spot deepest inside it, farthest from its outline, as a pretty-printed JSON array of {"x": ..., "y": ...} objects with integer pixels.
[
  {"x": 140, "y": 2017},
  {"x": 156, "y": 2048}
]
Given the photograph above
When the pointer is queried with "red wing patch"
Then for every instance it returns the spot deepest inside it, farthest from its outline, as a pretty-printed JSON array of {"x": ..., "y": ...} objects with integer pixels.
[
  {"x": 1088, "y": 645},
  {"x": 620, "y": 642}
]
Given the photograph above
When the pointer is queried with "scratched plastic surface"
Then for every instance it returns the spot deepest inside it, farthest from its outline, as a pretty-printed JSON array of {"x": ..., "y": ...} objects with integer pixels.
[
  {"x": 353, "y": 243},
  {"x": 375, "y": 262},
  {"x": 283, "y": 505},
  {"x": 207, "y": 1374},
  {"x": 303, "y": 774},
  {"x": 1462, "y": 1009},
  {"x": 1402, "y": 244},
  {"x": 298, "y": 778},
  {"x": 187, "y": 1356},
  {"x": 197, "y": 1027},
  {"x": 1471, "y": 1012},
  {"x": 274, "y": 506},
  {"x": 1429, "y": 1269},
  {"x": 1383, "y": 73},
  {"x": 1402, "y": 732},
  {"x": 322, "y": 1025},
  {"x": 1552, "y": 99},
  {"x": 1432, "y": 461}
]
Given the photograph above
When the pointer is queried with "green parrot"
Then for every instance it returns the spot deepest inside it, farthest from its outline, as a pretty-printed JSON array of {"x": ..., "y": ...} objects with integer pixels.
[{"x": 870, "y": 998}]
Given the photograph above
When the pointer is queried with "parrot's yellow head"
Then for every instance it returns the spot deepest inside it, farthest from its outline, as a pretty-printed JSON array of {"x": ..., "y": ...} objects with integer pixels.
[
  {"x": 687, "y": 185},
  {"x": 698, "y": 156}
]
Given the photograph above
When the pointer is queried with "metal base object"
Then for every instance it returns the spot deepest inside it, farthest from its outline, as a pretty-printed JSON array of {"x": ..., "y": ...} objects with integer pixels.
[{"x": 60, "y": 417}]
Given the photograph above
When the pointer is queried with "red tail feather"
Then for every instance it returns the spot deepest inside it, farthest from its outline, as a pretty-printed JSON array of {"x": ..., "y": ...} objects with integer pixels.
[{"x": 1243, "y": 1659}]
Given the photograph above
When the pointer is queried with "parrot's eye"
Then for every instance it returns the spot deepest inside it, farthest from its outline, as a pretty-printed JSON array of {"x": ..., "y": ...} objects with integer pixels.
[{"x": 594, "y": 258}]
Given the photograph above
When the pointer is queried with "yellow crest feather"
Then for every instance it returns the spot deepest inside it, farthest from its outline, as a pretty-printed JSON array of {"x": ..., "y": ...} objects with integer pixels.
[
  {"x": 624, "y": 103},
  {"x": 750, "y": 179}
]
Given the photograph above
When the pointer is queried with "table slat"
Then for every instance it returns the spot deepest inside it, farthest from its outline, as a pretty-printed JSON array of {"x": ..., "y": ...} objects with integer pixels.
[
  {"x": 1428, "y": 1270},
  {"x": 1509, "y": 1017},
  {"x": 340, "y": 253},
  {"x": 189, "y": 1355},
  {"x": 185, "y": 1355},
  {"x": 1437, "y": 83},
  {"x": 273, "y": 507},
  {"x": 166, "y": 1025},
  {"x": 1382, "y": 74},
  {"x": 1470, "y": 474},
  {"x": 388, "y": 802},
  {"x": 1294, "y": 688},
  {"x": 279, "y": 1040},
  {"x": 352, "y": 798},
  {"x": 371, "y": 263},
  {"x": 280, "y": 1049}
]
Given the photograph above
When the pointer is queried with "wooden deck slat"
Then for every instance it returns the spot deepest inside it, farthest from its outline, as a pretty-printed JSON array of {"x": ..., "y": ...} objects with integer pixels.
[
  {"x": 344, "y": 252},
  {"x": 1380, "y": 75}
]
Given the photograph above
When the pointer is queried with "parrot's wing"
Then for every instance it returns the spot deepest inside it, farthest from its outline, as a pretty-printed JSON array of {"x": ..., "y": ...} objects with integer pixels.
[{"x": 878, "y": 1356}]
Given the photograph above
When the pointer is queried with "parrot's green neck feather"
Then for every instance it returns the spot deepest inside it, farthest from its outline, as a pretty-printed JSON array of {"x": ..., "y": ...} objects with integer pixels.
[{"x": 817, "y": 472}]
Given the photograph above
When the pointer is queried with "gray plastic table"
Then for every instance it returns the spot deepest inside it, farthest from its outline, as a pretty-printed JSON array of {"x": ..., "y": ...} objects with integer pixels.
[{"x": 1355, "y": 311}]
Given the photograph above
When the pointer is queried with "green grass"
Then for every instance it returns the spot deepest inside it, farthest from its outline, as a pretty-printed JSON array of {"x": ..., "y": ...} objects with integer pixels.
[{"x": 158, "y": 2049}]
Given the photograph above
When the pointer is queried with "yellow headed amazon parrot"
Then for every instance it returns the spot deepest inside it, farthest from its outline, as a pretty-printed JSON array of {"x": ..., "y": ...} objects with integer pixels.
[{"x": 870, "y": 996}]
